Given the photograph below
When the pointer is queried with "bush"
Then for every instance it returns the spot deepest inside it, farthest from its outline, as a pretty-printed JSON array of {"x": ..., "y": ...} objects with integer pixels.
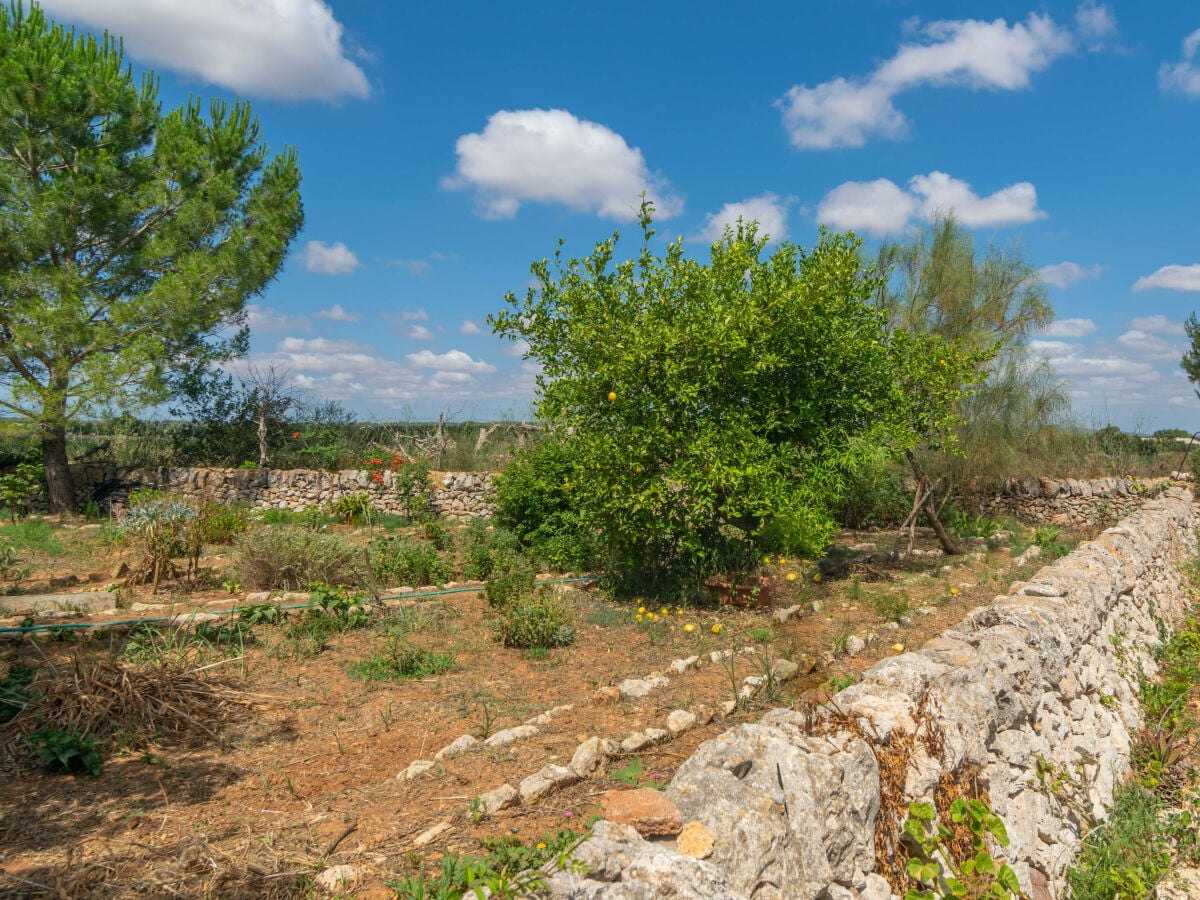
[
  {"x": 510, "y": 582},
  {"x": 485, "y": 549},
  {"x": 352, "y": 509},
  {"x": 402, "y": 561},
  {"x": 66, "y": 752},
  {"x": 534, "y": 501},
  {"x": 541, "y": 619},
  {"x": 291, "y": 559},
  {"x": 220, "y": 524}
]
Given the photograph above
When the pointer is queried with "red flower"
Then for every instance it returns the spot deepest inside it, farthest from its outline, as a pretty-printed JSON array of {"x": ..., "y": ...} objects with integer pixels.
[
  {"x": 376, "y": 461},
  {"x": 377, "y": 477},
  {"x": 295, "y": 434}
]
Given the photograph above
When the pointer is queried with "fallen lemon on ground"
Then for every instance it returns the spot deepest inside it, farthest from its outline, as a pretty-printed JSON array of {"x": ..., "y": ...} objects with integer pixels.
[
  {"x": 817, "y": 578},
  {"x": 716, "y": 629},
  {"x": 689, "y": 627},
  {"x": 899, "y": 648},
  {"x": 612, "y": 396},
  {"x": 954, "y": 591},
  {"x": 791, "y": 576},
  {"x": 641, "y": 610}
]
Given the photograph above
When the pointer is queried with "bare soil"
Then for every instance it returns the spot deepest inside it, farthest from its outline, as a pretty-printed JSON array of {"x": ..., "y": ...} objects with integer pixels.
[{"x": 308, "y": 779}]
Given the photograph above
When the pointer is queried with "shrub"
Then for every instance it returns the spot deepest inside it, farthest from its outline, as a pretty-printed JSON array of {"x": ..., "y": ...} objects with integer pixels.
[
  {"x": 541, "y": 619},
  {"x": 66, "y": 752},
  {"x": 291, "y": 559},
  {"x": 509, "y": 582},
  {"x": 400, "y": 560},
  {"x": 484, "y": 549},
  {"x": 352, "y": 509},
  {"x": 18, "y": 487},
  {"x": 534, "y": 501},
  {"x": 159, "y": 528},
  {"x": 414, "y": 491},
  {"x": 220, "y": 524},
  {"x": 401, "y": 661}
]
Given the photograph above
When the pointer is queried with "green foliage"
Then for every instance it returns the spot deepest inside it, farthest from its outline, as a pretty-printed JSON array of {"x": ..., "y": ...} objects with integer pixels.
[
  {"x": 402, "y": 660},
  {"x": 402, "y": 561},
  {"x": 534, "y": 500},
  {"x": 414, "y": 490},
  {"x": 261, "y": 614},
  {"x": 973, "y": 526},
  {"x": 352, "y": 509},
  {"x": 14, "y": 691},
  {"x": 1049, "y": 538},
  {"x": 18, "y": 487},
  {"x": 65, "y": 752},
  {"x": 634, "y": 775},
  {"x": 36, "y": 537},
  {"x": 510, "y": 869},
  {"x": 291, "y": 559},
  {"x": 875, "y": 496},
  {"x": 130, "y": 238},
  {"x": 338, "y": 605},
  {"x": 13, "y": 566},
  {"x": 484, "y": 549},
  {"x": 509, "y": 582},
  {"x": 932, "y": 866},
  {"x": 217, "y": 523},
  {"x": 544, "y": 618},
  {"x": 891, "y": 607},
  {"x": 706, "y": 406},
  {"x": 1126, "y": 859},
  {"x": 158, "y": 529}
]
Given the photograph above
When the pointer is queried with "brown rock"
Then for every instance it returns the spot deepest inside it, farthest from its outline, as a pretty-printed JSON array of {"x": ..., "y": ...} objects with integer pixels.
[
  {"x": 607, "y": 695},
  {"x": 695, "y": 841},
  {"x": 646, "y": 809}
]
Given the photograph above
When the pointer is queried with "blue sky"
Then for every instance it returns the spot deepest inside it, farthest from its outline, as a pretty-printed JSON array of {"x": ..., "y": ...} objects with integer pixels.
[{"x": 445, "y": 146}]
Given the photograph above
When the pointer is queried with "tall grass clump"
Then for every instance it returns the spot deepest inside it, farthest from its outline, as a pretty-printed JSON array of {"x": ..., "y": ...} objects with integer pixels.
[{"x": 286, "y": 558}]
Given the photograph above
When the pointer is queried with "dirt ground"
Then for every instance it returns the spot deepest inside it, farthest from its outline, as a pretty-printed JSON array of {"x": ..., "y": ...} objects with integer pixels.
[{"x": 308, "y": 778}]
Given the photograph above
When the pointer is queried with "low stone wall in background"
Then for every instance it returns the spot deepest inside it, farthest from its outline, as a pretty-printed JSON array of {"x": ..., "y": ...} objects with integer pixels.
[
  {"x": 455, "y": 494},
  {"x": 1069, "y": 502},
  {"x": 1030, "y": 701}
]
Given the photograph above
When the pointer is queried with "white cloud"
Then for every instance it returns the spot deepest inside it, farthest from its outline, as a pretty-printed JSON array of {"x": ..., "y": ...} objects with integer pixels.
[
  {"x": 1156, "y": 324},
  {"x": 282, "y": 49},
  {"x": 1065, "y": 274},
  {"x": 550, "y": 156},
  {"x": 1070, "y": 328},
  {"x": 879, "y": 207},
  {"x": 1183, "y": 76},
  {"x": 411, "y": 266},
  {"x": 1173, "y": 277},
  {"x": 470, "y": 327},
  {"x": 450, "y": 361},
  {"x": 968, "y": 53},
  {"x": 414, "y": 315},
  {"x": 1095, "y": 23},
  {"x": 882, "y": 207},
  {"x": 418, "y": 333},
  {"x": 336, "y": 314},
  {"x": 268, "y": 319},
  {"x": 329, "y": 259},
  {"x": 1148, "y": 346},
  {"x": 768, "y": 210}
]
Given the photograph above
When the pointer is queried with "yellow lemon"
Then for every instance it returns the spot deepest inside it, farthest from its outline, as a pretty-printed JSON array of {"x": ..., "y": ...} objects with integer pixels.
[
  {"x": 791, "y": 576},
  {"x": 612, "y": 396},
  {"x": 817, "y": 578},
  {"x": 689, "y": 627},
  {"x": 899, "y": 648},
  {"x": 782, "y": 560},
  {"x": 665, "y": 611},
  {"x": 639, "y": 617},
  {"x": 954, "y": 591},
  {"x": 679, "y": 612},
  {"x": 641, "y": 610},
  {"x": 716, "y": 629}
]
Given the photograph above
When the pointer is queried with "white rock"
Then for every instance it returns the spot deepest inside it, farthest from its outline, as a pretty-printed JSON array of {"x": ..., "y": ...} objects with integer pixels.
[
  {"x": 417, "y": 768},
  {"x": 458, "y": 746},
  {"x": 680, "y": 666},
  {"x": 635, "y": 742},
  {"x": 680, "y": 720},
  {"x": 636, "y": 688},
  {"x": 336, "y": 879},
  {"x": 432, "y": 834},
  {"x": 855, "y": 644},
  {"x": 782, "y": 615},
  {"x": 509, "y": 735},
  {"x": 499, "y": 798},
  {"x": 535, "y": 787},
  {"x": 589, "y": 755}
]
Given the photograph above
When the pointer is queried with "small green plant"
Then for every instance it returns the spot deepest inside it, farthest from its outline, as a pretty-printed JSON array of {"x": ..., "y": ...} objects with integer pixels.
[
  {"x": 18, "y": 487},
  {"x": 838, "y": 683},
  {"x": 400, "y": 661},
  {"x": 65, "y": 752},
  {"x": 400, "y": 561},
  {"x": 634, "y": 775},
  {"x": 12, "y": 565},
  {"x": 1049, "y": 538},
  {"x": 231, "y": 586},
  {"x": 91, "y": 510},
  {"x": 973, "y": 526},
  {"x": 483, "y": 548},
  {"x": 352, "y": 509},
  {"x": 891, "y": 607},
  {"x": 414, "y": 490},
  {"x": 761, "y": 634},
  {"x": 344, "y": 609},
  {"x": 541, "y": 619},
  {"x": 158, "y": 528},
  {"x": 292, "y": 559},
  {"x": 14, "y": 691},
  {"x": 932, "y": 866},
  {"x": 509, "y": 583},
  {"x": 217, "y": 523}
]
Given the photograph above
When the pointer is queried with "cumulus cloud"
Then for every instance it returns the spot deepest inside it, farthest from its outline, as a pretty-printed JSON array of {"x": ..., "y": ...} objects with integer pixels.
[
  {"x": 1070, "y": 328},
  {"x": 768, "y": 210},
  {"x": 335, "y": 313},
  {"x": 1156, "y": 324},
  {"x": 281, "y": 49},
  {"x": 1183, "y": 76},
  {"x": 551, "y": 156},
  {"x": 329, "y": 259},
  {"x": 1065, "y": 274},
  {"x": 882, "y": 207},
  {"x": 470, "y": 327},
  {"x": 1173, "y": 278},
  {"x": 450, "y": 361},
  {"x": 1149, "y": 346},
  {"x": 969, "y": 53},
  {"x": 418, "y": 333}
]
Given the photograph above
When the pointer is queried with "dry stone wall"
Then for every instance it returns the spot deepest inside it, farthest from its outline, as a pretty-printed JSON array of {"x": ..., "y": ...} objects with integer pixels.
[
  {"x": 1071, "y": 502},
  {"x": 455, "y": 494},
  {"x": 1031, "y": 699}
]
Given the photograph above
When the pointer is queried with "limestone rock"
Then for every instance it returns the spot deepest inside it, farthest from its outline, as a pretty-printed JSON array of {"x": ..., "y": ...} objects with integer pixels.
[
  {"x": 337, "y": 879},
  {"x": 695, "y": 840},
  {"x": 457, "y": 747},
  {"x": 645, "y": 809},
  {"x": 590, "y": 754},
  {"x": 680, "y": 666},
  {"x": 509, "y": 735},
  {"x": 636, "y": 688},
  {"x": 432, "y": 834},
  {"x": 680, "y": 720},
  {"x": 417, "y": 768},
  {"x": 499, "y": 798}
]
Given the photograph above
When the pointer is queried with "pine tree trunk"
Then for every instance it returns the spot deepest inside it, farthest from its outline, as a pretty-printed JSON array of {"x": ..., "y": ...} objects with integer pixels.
[{"x": 60, "y": 491}]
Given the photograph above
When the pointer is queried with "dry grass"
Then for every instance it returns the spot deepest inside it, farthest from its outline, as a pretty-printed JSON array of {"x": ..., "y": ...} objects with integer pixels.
[{"x": 112, "y": 700}]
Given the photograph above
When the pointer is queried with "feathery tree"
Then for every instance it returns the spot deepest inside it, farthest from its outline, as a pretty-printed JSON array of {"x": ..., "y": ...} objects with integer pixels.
[
  {"x": 130, "y": 238},
  {"x": 939, "y": 284}
]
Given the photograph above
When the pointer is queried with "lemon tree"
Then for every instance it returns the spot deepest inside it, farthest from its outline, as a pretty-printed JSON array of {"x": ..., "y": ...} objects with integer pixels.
[{"x": 713, "y": 410}]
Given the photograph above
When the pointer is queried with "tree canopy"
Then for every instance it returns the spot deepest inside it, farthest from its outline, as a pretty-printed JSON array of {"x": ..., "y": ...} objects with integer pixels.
[
  {"x": 715, "y": 409},
  {"x": 130, "y": 238}
]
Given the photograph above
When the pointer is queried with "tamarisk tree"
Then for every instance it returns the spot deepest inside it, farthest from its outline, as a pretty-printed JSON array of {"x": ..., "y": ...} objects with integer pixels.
[{"x": 130, "y": 237}]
